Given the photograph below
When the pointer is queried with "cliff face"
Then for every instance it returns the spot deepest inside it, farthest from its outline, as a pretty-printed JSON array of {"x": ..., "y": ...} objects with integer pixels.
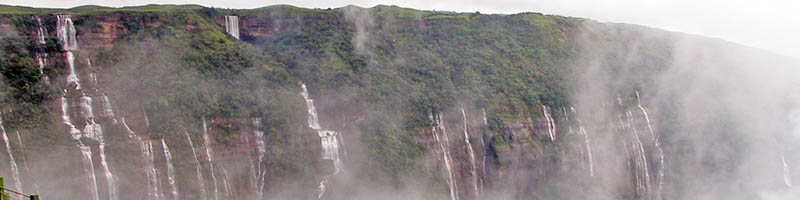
[{"x": 169, "y": 102}]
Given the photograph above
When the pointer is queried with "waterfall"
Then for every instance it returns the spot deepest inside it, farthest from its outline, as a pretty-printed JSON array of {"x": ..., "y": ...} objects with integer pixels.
[
  {"x": 107, "y": 111},
  {"x": 86, "y": 152},
  {"x": 40, "y": 60},
  {"x": 150, "y": 170},
  {"x": 92, "y": 130},
  {"x": 66, "y": 33},
  {"x": 330, "y": 146},
  {"x": 322, "y": 188},
  {"x": 88, "y": 167},
  {"x": 200, "y": 180},
  {"x": 588, "y": 147},
  {"x": 41, "y": 31},
  {"x": 329, "y": 141},
  {"x": 72, "y": 78},
  {"x": 787, "y": 178},
  {"x": 444, "y": 146},
  {"x": 643, "y": 183},
  {"x": 225, "y": 183},
  {"x": 24, "y": 159},
  {"x": 471, "y": 156},
  {"x": 12, "y": 161},
  {"x": 313, "y": 121},
  {"x": 551, "y": 124},
  {"x": 232, "y": 25},
  {"x": 86, "y": 107},
  {"x": 170, "y": 170},
  {"x": 485, "y": 150},
  {"x": 151, "y": 174},
  {"x": 207, "y": 145},
  {"x": 657, "y": 144},
  {"x": 110, "y": 179},
  {"x": 261, "y": 146},
  {"x": 76, "y": 134}
]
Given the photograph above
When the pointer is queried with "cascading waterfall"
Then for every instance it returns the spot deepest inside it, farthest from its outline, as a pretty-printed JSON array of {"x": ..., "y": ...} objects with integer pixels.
[
  {"x": 657, "y": 144},
  {"x": 444, "y": 147},
  {"x": 170, "y": 170},
  {"x": 588, "y": 147},
  {"x": 787, "y": 178},
  {"x": 24, "y": 159},
  {"x": 110, "y": 179},
  {"x": 40, "y": 58},
  {"x": 94, "y": 131},
  {"x": 151, "y": 172},
  {"x": 86, "y": 152},
  {"x": 485, "y": 150},
  {"x": 72, "y": 77},
  {"x": 551, "y": 124},
  {"x": 41, "y": 31},
  {"x": 313, "y": 121},
  {"x": 329, "y": 141},
  {"x": 261, "y": 146},
  {"x": 330, "y": 146},
  {"x": 225, "y": 183},
  {"x": 74, "y": 132},
  {"x": 66, "y": 33},
  {"x": 232, "y": 25},
  {"x": 12, "y": 161},
  {"x": 207, "y": 145},
  {"x": 107, "y": 111},
  {"x": 643, "y": 183},
  {"x": 88, "y": 167},
  {"x": 471, "y": 156},
  {"x": 200, "y": 180}
]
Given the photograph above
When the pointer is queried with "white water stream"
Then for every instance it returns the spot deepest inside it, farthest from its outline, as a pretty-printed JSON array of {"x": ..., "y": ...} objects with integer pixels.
[
  {"x": 200, "y": 180},
  {"x": 170, "y": 170},
  {"x": 444, "y": 145},
  {"x": 328, "y": 138},
  {"x": 232, "y": 25},
  {"x": 471, "y": 156},
  {"x": 657, "y": 144},
  {"x": 210, "y": 157},
  {"x": 551, "y": 123},
  {"x": 12, "y": 161}
]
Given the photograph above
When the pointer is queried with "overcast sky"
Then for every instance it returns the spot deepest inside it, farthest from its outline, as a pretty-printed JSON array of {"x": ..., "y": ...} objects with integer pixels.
[{"x": 773, "y": 25}]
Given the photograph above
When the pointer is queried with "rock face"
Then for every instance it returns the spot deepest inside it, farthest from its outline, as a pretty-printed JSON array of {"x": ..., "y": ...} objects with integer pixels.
[{"x": 176, "y": 102}]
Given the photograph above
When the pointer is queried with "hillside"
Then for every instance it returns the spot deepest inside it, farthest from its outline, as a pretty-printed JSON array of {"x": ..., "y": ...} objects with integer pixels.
[{"x": 281, "y": 102}]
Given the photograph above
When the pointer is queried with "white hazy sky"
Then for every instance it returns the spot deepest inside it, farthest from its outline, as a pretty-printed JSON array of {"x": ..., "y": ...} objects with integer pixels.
[{"x": 773, "y": 25}]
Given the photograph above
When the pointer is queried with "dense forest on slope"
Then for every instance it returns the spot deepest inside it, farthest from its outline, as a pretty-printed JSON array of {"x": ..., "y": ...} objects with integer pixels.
[{"x": 418, "y": 104}]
